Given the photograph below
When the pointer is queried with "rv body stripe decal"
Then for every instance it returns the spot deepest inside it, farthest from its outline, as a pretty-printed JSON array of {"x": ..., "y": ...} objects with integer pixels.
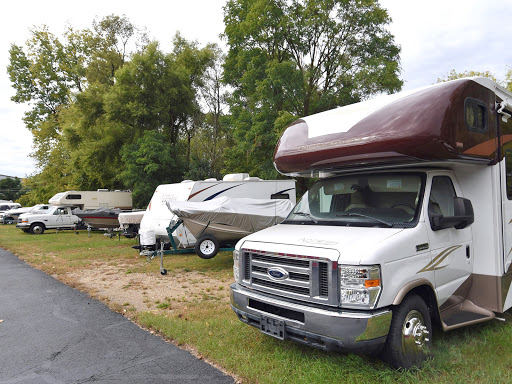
[
  {"x": 434, "y": 264},
  {"x": 284, "y": 190},
  {"x": 487, "y": 148},
  {"x": 218, "y": 193},
  {"x": 204, "y": 189}
]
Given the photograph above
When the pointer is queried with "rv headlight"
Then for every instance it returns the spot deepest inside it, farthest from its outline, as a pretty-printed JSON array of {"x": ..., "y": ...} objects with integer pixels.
[
  {"x": 236, "y": 265},
  {"x": 360, "y": 286}
]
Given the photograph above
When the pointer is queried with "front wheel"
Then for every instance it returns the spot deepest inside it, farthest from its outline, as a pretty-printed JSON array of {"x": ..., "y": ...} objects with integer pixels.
[
  {"x": 410, "y": 334},
  {"x": 36, "y": 229},
  {"x": 207, "y": 247}
]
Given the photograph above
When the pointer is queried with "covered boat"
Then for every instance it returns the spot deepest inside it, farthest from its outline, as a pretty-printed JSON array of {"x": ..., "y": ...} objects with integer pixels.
[
  {"x": 226, "y": 220},
  {"x": 446, "y": 121},
  {"x": 99, "y": 218},
  {"x": 130, "y": 222},
  {"x": 229, "y": 218}
]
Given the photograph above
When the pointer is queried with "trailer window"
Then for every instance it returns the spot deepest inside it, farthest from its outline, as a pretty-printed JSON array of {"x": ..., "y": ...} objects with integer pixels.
[
  {"x": 73, "y": 197},
  {"x": 475, "y": 115}
]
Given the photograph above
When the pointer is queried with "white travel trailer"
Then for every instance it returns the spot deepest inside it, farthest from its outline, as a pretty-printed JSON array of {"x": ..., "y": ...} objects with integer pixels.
[
  {"x": 158, "y": 217},
  {"x": 408, "y": 224},
  {"x": 102, "y": 198}
]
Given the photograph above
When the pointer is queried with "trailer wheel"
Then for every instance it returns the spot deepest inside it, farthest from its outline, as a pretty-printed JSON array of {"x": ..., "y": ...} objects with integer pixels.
[
  {"x": 36, "y": 229},
  {"x": 410, "y": 334},
  {"x": 207, "y": 247}
]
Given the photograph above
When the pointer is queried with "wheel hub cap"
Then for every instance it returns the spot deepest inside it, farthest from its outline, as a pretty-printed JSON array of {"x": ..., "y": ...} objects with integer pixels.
[
  {"x": 207, "y": 247},
  {"x": 414, "y": 333}
]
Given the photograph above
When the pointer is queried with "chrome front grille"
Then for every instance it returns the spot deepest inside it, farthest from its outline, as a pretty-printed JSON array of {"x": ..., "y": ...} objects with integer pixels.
[{"x": 305, "y": 278}]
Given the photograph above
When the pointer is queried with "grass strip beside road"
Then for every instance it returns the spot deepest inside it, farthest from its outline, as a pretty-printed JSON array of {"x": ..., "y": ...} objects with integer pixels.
[{"x": 480, "y": 353}]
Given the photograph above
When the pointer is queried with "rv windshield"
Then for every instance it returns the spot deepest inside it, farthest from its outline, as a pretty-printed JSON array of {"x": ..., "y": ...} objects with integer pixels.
[{"x": 373, "y": 200}]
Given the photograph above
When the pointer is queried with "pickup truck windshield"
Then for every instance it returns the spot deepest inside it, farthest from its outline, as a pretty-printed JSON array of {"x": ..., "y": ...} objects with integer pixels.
[{"x": 388, "y": 200}]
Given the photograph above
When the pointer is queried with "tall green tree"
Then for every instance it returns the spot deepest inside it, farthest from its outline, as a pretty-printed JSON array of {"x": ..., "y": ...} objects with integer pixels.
[
  {"x": 150, "y": 161},
  {"x": 294, "y": 58},
  {"x": 213, "y": 134},
  {"x": 49, "y": 74}
]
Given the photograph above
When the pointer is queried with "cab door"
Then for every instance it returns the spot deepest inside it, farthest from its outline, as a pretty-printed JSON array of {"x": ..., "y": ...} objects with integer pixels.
[{"x": 451, "y": 255}]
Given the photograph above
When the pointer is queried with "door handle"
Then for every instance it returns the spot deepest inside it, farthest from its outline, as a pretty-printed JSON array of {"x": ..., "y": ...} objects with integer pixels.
[{"x": 468, "y": 253}]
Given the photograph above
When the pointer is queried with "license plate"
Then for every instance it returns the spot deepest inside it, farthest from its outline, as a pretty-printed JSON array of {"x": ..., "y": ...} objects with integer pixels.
[{"x": 272, "y": 327}]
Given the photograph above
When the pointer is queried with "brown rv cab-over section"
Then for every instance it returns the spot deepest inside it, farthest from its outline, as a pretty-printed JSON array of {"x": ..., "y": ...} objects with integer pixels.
[{"x": 427, "y": 125}]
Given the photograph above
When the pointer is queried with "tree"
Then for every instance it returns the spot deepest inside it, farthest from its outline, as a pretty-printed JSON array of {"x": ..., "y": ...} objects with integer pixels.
[
  {"x": 151, "y": 162},
  {"x": 212, "y": 134},
  {"x": 10, "y": 189},
  {"x": 294, "y": 58}
]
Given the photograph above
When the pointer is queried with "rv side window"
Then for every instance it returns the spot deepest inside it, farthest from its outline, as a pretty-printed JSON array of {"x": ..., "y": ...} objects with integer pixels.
[
  {"x": 475, "y": 115},
  {"x": 441, "y": 196},
  {"x": 73, "y": 197},
  {"x": 508, "y": 169}
]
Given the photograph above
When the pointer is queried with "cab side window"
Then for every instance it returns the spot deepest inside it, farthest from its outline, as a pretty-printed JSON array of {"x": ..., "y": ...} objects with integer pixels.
[{"x": 441, "y": 196}]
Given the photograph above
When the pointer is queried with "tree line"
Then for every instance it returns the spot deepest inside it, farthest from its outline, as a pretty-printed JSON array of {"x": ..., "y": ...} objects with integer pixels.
[{"x": 108, "y": 108}]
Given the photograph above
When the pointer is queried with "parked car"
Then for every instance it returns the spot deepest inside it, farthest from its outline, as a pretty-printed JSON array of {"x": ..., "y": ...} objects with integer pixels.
[
  {"x": 11, "y": 216},
  {"x": 57, "y": 217}
]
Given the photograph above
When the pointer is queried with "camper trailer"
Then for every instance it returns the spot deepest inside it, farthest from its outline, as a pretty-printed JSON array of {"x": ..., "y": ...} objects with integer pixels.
[
  {"x": 240, "y": 185},
  {"x": 409, "y": 224},
  {"x": 102, "y": 198}
]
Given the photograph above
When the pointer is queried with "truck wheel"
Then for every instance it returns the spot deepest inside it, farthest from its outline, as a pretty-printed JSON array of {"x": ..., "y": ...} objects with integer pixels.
[
  {"x": 36, "y": 229},
  {"x": 207, "y": 247},
  {"x": 410, "y": 334}
]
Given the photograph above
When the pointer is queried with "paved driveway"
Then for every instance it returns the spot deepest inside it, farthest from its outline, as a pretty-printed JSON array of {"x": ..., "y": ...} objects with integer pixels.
[{"x": 51, "y": 333}]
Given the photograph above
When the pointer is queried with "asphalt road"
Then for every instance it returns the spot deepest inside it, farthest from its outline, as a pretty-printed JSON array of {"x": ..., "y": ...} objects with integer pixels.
[{"x": 52, "y": 333}]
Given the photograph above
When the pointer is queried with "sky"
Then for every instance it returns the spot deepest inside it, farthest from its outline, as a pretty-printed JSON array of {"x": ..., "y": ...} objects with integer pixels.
[{"x": 435, "y": 37}]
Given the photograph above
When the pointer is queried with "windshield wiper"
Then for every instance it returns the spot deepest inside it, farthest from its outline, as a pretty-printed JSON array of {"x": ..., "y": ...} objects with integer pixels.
[
  {"x": 307, "y": 215},
  {"x": 389, "y": 225}
]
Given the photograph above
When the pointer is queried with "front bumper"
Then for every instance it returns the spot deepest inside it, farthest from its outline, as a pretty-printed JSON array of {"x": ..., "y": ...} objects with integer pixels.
[
  {"x": 23, "y": 225},
  {"x": 320, "y": 327}
]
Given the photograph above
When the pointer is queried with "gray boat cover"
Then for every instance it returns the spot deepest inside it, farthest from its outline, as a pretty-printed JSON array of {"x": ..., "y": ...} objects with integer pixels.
[
  {"x": 248, "y": 214},
  {"x": 130, "y": 217}
]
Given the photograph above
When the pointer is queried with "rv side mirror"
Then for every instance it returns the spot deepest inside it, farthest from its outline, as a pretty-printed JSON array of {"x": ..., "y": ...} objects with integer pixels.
[
  {"x": 463, "y": 212},
  {"x": 463, "y": 215}
]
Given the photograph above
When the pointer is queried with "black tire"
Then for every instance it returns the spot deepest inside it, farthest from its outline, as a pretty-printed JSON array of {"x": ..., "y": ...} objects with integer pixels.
[
  {"x": 37, "y": 229},
  {"x": 410, "y": 334},
  {"x": 163, "y": 272},
  {"x": 207, "y": 247}
]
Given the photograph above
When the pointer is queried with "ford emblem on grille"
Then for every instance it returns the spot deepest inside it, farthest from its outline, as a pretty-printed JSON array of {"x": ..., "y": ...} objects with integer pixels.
[{"x": 277, "y": 273}]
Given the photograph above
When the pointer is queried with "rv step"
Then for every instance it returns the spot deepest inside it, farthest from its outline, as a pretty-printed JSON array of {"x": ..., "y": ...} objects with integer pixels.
[
  {"x": 465, "y": 313},
  {"x": 462, "y": 317}
]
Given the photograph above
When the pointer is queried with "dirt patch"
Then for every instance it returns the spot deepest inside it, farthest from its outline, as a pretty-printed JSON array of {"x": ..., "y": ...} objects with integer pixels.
[{"x": 148, "y": 292}]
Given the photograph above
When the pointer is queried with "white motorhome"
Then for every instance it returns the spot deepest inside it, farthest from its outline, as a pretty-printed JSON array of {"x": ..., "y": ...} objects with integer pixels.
[
  {"x": 408, "y": 224},
  {"x": 158, "y": 217},
  {"x": 102, "y": 198}
]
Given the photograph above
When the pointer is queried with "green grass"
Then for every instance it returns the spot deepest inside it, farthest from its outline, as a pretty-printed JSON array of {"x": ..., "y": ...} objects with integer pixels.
[{"x": 476, "y": 354}]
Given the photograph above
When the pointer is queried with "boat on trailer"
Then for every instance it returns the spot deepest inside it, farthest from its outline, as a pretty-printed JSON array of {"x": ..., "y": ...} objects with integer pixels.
[
  {"x": 225, "y": 220},
  {"x": 103, "y": 218}
]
